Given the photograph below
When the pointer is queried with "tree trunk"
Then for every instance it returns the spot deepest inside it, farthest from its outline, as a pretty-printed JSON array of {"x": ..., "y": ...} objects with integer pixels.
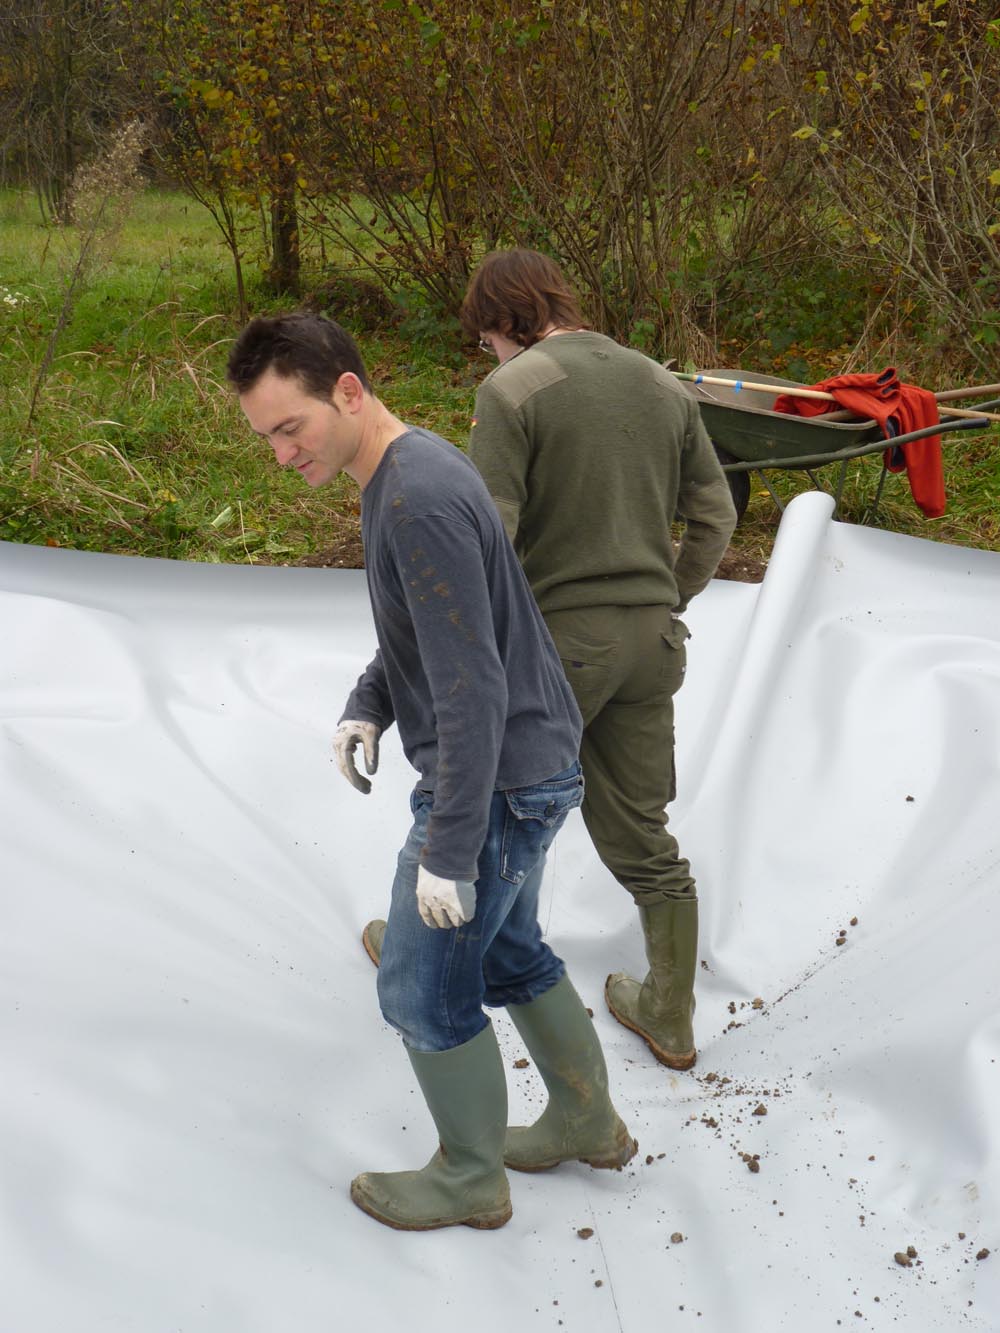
[{"x": 285, "y": 273}]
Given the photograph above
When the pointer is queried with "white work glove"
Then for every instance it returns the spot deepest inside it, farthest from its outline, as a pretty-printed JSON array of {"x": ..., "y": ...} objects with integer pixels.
[
  {"x": 346, "y": 739},
  {"x": 444, "y": 902}
]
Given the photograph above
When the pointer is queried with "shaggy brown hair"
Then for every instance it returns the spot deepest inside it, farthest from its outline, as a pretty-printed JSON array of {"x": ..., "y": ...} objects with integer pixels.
[{"x": 519, "y": 294}]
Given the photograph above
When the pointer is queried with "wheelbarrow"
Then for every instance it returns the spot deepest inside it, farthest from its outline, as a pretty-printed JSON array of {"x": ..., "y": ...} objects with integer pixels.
[{"x": 749, "y": 436}]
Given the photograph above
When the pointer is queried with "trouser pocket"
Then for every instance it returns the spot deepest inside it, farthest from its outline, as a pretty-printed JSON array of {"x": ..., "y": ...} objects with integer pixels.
[
  {"x": 532, "y": 819},
  {"x": 588, "y": 649}
]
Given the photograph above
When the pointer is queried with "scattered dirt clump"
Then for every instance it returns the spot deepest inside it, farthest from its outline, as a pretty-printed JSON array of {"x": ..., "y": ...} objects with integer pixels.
[
  {"x": 741, "y": 567},
  {"x": 345, "y": 551}
]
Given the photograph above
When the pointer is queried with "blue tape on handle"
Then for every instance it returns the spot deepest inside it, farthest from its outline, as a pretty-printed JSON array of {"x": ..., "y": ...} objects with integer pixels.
[
  {"x": 737, "y": 386},
  {"x": 698, "y": 379}
]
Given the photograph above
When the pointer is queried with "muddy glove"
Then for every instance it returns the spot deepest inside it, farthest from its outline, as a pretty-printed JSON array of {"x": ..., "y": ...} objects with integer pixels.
[
  {"x": 346, "y": 739},
  {"x": 444, "y": 902}
]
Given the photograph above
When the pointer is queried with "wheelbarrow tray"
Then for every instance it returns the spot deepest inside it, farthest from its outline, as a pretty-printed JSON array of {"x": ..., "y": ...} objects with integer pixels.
[{"x": 743, "y": 422}]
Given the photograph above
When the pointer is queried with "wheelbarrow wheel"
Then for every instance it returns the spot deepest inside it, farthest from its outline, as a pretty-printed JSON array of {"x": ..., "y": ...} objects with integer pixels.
[{"x": 739, "y": 482}]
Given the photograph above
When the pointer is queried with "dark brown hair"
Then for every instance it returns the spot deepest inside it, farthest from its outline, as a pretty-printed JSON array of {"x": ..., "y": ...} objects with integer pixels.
[
  {"x": 311, "y": 348},
  {"x": 519, "y": 293}
]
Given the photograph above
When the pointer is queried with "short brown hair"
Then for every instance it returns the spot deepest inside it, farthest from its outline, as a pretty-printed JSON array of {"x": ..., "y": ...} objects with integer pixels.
[
  {"x": 519, "y": 293},
  {"x": 312, "y": 348}
]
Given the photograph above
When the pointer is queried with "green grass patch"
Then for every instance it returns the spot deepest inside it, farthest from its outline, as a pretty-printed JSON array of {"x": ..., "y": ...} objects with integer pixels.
[{"x": 137, "y": 447}]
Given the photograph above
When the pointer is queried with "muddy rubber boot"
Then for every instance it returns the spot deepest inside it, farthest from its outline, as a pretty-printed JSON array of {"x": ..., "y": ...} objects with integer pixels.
[
  {"x": 371, "y": 938},
  {"x": 579, "y": 1123},
  {"x": 661, "y": 1009},
  {"x": 464, "y": 1183}
]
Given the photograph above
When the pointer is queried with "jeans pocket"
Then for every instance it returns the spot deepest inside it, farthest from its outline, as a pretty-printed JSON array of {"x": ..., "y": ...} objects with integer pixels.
[
  {"x": 420, "y": 799},
  {"x": 532, "y": 819}
]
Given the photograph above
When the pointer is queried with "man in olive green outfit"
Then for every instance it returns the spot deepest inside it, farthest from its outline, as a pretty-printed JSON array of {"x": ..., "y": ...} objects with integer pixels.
[{"x": 589, "y": 450}]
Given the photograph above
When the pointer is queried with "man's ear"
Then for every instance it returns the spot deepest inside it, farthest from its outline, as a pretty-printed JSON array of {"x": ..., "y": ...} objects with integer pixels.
[{"x": 350, "y": 391}]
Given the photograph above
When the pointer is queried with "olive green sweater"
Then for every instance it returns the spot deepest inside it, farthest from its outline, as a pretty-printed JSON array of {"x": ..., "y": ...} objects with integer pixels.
[{"x": 589, "y": 450}]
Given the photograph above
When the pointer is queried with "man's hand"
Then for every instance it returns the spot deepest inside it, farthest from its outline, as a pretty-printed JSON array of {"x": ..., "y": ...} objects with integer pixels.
[
  {"x": 444, "y": 902},
  {"x": 346, "y": 739}
]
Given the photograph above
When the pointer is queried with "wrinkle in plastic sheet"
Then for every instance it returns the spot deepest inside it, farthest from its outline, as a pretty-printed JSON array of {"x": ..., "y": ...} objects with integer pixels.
[{"x": 194, "y": 1064}]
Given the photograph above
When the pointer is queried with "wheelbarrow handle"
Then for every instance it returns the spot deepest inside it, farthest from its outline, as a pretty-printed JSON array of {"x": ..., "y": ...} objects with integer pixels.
[{"x": 842, "y": 455}]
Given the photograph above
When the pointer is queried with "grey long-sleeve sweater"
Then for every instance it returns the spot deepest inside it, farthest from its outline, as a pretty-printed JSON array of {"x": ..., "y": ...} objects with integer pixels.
[{"x": 465, "y": 665}]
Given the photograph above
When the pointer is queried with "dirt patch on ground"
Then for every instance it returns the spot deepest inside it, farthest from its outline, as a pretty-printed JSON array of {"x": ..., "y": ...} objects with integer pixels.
[
  {"x": 742, "y": 567},
  {"x": 344, "y": 552}
]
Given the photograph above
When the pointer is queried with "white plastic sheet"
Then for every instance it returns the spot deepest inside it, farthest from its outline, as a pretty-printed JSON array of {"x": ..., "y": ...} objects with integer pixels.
[{"x": 194, "y": 1066}]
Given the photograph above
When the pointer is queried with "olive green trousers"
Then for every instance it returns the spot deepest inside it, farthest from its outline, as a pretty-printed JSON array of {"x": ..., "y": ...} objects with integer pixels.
[{"x": 625, "y": 664}]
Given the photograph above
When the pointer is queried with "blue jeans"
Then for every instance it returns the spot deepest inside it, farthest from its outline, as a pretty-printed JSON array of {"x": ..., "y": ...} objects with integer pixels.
[{"x": 433, "y": 983}]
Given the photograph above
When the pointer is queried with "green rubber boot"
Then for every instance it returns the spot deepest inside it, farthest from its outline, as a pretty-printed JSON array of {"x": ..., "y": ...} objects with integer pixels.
[
  {"x": 661, "y": 1009},
  {"x": 464, "y": 1183},
  {"x": 579, "y": 1123},
  {"x": 371, "y": 938}
]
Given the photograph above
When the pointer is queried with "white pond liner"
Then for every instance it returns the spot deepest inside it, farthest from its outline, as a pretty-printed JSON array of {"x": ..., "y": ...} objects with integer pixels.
[{"x": 193, "y": 1062}]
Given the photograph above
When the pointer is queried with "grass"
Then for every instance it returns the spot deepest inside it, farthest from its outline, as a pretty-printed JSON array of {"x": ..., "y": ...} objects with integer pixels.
[{"x": 138, "y": 448}]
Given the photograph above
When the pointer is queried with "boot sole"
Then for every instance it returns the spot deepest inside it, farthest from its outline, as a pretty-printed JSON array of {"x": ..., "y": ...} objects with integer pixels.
[
  {"x": 615, "y": 1160},
  {"x": 480, "y": 1221},
  {"x": 671, "y": 1059},
  {"x": 369, "y": 950},
  {"x": 612, "y": 1163}
]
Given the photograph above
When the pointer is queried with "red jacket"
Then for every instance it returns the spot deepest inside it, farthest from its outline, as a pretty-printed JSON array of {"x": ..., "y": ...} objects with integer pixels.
[{"x": 883, "y": 398}]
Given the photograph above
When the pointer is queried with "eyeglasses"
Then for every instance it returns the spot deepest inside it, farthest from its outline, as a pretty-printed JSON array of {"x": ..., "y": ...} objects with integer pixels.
[{"x": 484, "y": 346}]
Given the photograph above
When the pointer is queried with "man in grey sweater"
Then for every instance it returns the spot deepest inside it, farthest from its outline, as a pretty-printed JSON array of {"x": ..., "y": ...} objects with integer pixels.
[{"x": 468, "y": 672}]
